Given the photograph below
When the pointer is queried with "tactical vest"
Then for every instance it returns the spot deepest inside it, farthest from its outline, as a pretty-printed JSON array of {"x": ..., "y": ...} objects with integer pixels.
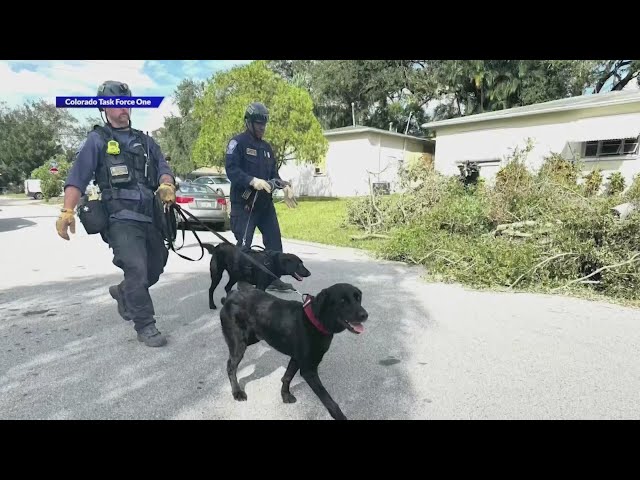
[{"x": 127, "y": 177}]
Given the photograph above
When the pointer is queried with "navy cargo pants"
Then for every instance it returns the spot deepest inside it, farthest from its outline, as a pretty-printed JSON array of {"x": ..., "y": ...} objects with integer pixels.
[
  {"x": 264, "y": 217},
  {"x": 139, "y": 250}
]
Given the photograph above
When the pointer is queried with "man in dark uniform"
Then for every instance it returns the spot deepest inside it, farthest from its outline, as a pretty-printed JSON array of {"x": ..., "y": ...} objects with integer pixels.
[
  {"x": 250, "y": 164},
  {"x": 128, "y": 167}
]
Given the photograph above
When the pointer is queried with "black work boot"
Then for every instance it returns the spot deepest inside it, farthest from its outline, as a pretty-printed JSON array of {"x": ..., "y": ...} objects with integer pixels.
[
  {"x": 279, "y": 286},
  {"x": 116, "y": 294},
  {"x": 151, "y": 336}
]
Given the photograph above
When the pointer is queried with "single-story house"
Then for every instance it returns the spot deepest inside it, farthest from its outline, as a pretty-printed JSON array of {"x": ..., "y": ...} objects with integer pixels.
[
  {"x": 601, "y": 129},
  {"x": 353, "y": 152}
]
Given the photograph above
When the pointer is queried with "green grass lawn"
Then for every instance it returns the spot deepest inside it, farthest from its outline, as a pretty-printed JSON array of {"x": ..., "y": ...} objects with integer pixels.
[{"x": 319, "y": 220}]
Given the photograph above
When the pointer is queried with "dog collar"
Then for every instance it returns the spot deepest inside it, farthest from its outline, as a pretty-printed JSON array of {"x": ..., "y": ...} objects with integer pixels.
[{"x": 311, "y": 316}]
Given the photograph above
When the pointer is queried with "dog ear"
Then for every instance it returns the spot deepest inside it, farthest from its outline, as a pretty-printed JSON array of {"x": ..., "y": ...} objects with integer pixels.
[
  {"x": 277, "y": 259},
  {"x": 359, "y": 292},
  {"x": 287, "y": 262},
  {"x": 321, "y": 302}
]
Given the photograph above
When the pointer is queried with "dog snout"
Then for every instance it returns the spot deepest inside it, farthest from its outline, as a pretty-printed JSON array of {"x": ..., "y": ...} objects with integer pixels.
[
  {"x": 363, "y": 315},
  {"x": 304, "y": 272}
]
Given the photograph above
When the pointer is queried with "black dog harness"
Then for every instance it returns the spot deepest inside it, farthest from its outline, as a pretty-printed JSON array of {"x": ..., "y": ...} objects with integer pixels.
[{"x": 171, "y": 232}]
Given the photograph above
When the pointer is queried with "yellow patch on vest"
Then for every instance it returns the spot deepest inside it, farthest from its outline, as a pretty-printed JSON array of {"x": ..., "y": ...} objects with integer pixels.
[{"x": 113, "y": 147}]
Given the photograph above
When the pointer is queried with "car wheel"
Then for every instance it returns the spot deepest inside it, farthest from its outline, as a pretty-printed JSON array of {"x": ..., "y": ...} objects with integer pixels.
[{"x": 38, "y": 196}]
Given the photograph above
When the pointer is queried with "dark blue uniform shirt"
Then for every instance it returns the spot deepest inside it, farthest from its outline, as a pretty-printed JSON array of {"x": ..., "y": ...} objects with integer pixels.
[
  {"x": 94, "y": 148},
  {"x": 248, "y": 157}
]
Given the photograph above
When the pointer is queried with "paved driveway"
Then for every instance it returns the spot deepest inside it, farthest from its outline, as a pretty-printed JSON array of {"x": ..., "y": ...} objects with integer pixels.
[{"x": 429, "y": 351}]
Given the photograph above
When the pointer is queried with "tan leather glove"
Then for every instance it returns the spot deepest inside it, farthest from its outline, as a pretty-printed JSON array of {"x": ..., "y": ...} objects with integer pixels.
[
  {"x": 66, "y": 220},
  {"x": 167, "y": 193},
  {"x": 289, "y": 198},
  {"x": 260, "y": 184}
]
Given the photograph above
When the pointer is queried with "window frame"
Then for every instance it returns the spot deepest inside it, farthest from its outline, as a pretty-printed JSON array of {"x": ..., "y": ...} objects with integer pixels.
[{"x": 619, "y": 154}]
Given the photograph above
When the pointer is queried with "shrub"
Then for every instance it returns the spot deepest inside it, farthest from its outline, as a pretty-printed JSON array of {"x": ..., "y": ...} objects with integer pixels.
[
  {"x": 633, "y": 192},
  {"x": 560, "y": 170},
  {"x": 529, "y": 230},
  {"x": 592, "y": 183},
  {"x": 616, "y": 184},
  {"x": 51, "y": 184}
]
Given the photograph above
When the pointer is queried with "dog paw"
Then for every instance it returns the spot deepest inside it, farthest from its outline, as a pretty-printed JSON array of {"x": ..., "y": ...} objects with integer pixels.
[
  {"x": 288, "y": 398},
  {"x": 212, "y": 307},
  {"x": 240, "y": 396}
]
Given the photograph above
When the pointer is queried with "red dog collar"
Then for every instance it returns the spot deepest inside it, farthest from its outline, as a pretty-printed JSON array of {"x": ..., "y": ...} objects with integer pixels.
[{"x": 310, "y": 315}]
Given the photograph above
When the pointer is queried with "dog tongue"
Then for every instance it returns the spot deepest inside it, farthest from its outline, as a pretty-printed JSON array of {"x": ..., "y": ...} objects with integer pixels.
[
  {"x": 358, "y": 327},
  {"x": 297, "y": 277}
]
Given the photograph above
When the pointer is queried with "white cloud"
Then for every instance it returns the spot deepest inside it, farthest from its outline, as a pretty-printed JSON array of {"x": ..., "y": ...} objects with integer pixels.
[
  {"x": 47, "y": 79},
  {"x": 161, "y": 72},
  {"x": 191, "y": 68},
  {"x": 150, "y": 119},
  {"x": 59, "y": 78},
  {"x": 32, "y": 80}
]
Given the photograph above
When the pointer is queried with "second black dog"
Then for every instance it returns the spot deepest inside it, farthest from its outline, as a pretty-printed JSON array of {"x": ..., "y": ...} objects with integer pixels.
[
  {"x": 228, "y": 257},
  {"x": 300, "y": 331}
]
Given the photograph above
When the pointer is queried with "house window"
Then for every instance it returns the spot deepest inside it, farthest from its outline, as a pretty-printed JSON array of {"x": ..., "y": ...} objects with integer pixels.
[
  {"x": 321, "y": 169},
  {"x": 610, "y": 148}
]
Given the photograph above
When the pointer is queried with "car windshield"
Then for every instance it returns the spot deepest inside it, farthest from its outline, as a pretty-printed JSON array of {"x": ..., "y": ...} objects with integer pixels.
[
  {"x": 220, "y": 180},
  {"x": 191, "y": 188}
]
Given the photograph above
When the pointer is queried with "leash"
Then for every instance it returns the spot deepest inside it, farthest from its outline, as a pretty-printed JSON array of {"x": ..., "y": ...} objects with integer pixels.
[
  {"x": 274, "y": 183},
  {"x": 244, "y": 237},
  {"x": 306, "y": 298},
  {"x": 170, "y": 212},
  {"x": 175, "y": 207}
]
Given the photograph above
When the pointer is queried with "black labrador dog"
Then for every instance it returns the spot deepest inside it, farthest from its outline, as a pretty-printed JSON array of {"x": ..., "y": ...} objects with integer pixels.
[
  {"x": 228, "y": 257},
  {"x": 301, "y": 331}
]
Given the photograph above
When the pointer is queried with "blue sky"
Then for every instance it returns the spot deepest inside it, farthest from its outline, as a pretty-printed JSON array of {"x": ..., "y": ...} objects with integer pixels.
[{"x": 22, "y": 80}]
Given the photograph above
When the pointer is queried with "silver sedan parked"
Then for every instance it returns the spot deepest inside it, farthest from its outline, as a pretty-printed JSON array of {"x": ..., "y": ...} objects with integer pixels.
[{"x": 203, "y": 203}]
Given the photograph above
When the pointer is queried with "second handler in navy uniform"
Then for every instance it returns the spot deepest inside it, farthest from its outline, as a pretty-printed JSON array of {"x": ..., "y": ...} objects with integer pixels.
[
  {"x": 130, "y": 170},
  {"x": 250, "y": 163}
]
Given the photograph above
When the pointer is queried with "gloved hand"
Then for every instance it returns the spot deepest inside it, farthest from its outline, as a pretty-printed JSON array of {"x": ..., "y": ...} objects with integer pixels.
[
  {"x": 66, "y": 220},
  {"x": 167, "y": 193},
  {"x": 260, "y": 184},
  {"x": 289, "y": 199}
]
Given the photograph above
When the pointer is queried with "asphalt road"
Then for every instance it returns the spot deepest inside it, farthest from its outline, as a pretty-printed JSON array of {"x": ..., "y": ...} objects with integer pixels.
[{"x": 429, "y": 351}]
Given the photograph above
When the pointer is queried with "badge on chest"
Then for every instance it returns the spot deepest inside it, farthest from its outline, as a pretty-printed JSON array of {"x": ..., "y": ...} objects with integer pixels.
[{"x": 252, "y": 152}]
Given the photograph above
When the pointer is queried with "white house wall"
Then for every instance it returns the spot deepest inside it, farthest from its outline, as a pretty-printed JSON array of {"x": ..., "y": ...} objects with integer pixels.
[
  {"x": 393, "y": 153},
  {"x": 348, "y": 159},
  {"x": 305, "y": 182},
  {"x": 551, "y": 133}
]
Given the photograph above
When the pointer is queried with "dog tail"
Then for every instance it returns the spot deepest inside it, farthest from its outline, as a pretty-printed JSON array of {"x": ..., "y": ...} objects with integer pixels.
[{"x": 210, "y": 248}]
